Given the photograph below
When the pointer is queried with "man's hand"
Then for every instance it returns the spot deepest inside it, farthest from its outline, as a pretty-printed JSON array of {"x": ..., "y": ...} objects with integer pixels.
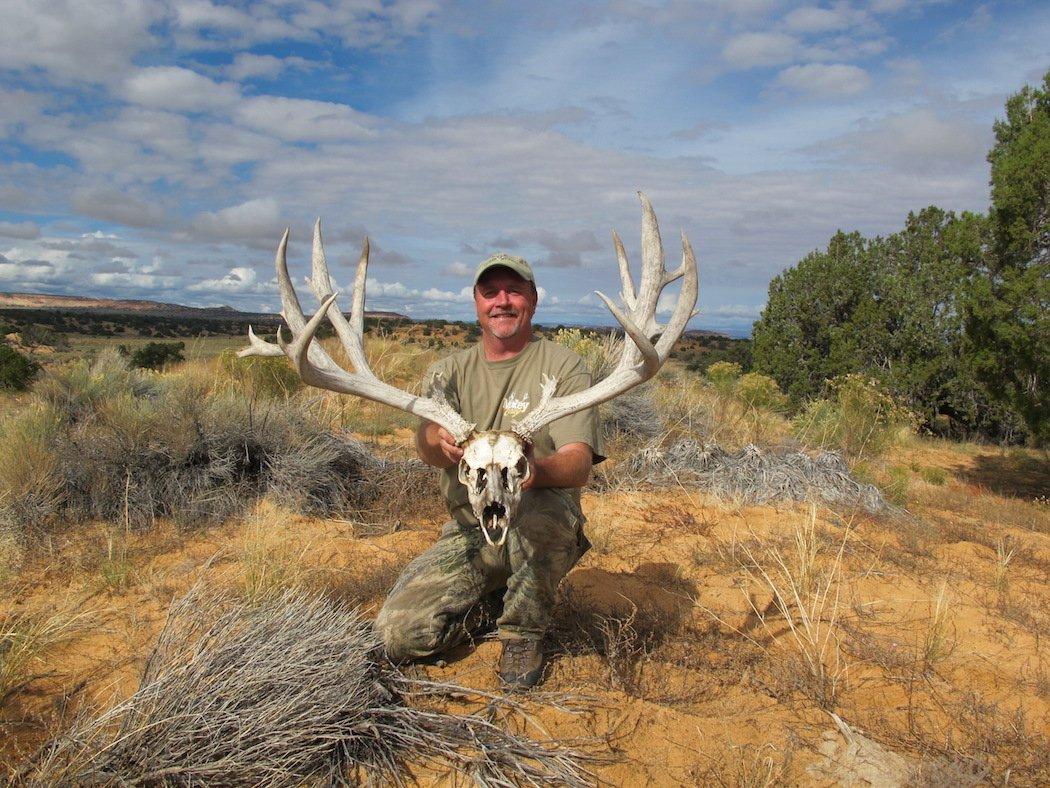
[
  {"x": 436, "y": 446},
  {"x": 448, "y": 446}
]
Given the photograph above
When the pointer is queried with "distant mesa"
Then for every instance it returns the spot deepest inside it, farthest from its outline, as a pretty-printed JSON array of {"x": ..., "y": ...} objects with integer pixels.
[{"x": 142, "y": 307}]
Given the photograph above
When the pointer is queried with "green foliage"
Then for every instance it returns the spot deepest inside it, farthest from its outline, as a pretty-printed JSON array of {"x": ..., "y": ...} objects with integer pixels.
[
  {"x": 723, "y": 375},
  {"x": 1007, "y": 321},
  {"x": 260, "y": 376},
  {"x": 859, "y": 417},
  {"x": 760, "y": 392},
  {"x": 599, "y": 352},
  {"x": 16, "y": 370},
  {"x": 157, "y": 355}
]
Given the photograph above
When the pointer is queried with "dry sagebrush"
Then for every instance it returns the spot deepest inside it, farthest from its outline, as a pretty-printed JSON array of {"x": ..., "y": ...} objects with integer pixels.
[
  {"x": 114, "y": 444},
  {"x": 290, "y": 691},
  {"x": 752, "y": 475}
]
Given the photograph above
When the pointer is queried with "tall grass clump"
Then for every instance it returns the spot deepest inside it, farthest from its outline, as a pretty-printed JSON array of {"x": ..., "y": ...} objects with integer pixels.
[
  {"x": 724, "y": 407},
  {"x": 102, "y": 441},
  {"x": 291, "y": 691},
  {"x": 858, "y": 417},
  {"x": 806, "y": 588},
  {"x": 259, "y": 377}
]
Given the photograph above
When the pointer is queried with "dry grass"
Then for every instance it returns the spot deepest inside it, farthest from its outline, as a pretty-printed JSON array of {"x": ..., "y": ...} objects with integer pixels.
[
  {"x": 223, "y": 700},
  {"x": 28, "y": 637},
  {"x": 808, "y": 601}
]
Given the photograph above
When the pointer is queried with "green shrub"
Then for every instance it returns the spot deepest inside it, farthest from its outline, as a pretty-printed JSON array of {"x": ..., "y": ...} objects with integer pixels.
[
  {"x": 860, "y": 418},
  {"x": 157, "y": 355},
  {"x": 260, "y": 376},
  {"x": 16, "y": 370},
  {"x": 760, "y": 392},
  {"x": 722, "y": 372},
  {"x": 938, "y": 477}
]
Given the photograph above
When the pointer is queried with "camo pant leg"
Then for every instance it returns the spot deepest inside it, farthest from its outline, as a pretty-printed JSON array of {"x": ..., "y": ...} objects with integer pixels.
[
  {"x": 545, "y": 543},
  {"x": 432, "y": 604}
]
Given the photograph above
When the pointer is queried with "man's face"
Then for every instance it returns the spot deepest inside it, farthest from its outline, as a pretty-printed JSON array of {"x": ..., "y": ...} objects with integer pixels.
[{"x": 505, "y": 303}]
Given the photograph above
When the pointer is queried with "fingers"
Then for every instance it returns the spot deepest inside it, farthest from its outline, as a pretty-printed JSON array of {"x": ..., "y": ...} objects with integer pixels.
[{"x": 448, "y": 445}]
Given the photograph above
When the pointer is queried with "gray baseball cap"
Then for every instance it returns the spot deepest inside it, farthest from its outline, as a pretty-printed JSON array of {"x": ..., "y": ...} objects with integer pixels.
[{"x": 515, "y": 264}]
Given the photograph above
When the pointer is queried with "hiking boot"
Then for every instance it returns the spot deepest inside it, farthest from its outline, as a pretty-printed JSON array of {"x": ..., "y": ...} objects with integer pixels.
[{"x": 520, "y": 664}]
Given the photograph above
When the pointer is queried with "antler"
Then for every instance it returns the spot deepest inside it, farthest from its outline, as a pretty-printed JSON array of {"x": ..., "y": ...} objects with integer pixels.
[
  {"x": 641, "y": 358},
  {"x": 316, "y": 367}
]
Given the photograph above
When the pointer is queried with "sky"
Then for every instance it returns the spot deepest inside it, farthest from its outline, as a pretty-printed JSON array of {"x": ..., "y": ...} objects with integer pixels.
[{"x": 157, "y": 149}]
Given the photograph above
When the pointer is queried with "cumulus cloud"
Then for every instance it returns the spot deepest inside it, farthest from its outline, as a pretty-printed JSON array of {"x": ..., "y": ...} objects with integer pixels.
[
  {"x": 178, "y": 89},
  {"x": 920, "y": 140},
  {"x": 237, "y": 280},
  {"x": 76, "y": 41},
  {"x": 247, "y": 65},
  {"x": 249, "y": 220},
  {"x": 303, "y": 119},
  {"x": 748, "y": 50},
  {"x": 813, "y": 19},
  {"x": 113, "y": 206},
  {"x": 19, "y": 230},
  {"x": 824, "y": 80},
  {"x": 457, "y": 269}
]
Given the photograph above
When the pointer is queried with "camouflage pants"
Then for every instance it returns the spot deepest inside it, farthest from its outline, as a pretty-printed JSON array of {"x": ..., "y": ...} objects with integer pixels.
[{"x": 439, "y": 596}]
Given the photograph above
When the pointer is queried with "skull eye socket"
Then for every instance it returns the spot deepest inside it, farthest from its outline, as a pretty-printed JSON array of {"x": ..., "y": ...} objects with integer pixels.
[
  {"x": 522, "y": 468},
  {"x": 479, "y": 483},
  {"x": 503, "y": 478}
]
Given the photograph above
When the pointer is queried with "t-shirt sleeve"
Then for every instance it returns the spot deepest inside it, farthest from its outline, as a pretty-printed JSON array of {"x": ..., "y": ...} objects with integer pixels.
[{"x": 581, "y": 427}]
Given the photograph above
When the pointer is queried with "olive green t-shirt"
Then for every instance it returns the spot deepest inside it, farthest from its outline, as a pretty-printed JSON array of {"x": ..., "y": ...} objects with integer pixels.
[{"x": 494, "y": 394}]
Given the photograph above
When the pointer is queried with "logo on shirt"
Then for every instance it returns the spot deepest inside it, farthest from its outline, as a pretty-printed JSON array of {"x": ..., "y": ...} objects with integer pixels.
[{"x": 516, "y": 405}]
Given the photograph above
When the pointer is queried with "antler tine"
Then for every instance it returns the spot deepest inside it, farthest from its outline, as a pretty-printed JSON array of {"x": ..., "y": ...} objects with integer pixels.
[
  {"x": 350, "y": 332},
  {"x": 641, "y": 358},
  {"x": 684, "y": 306},
  {"x": 626, "y": 282}
]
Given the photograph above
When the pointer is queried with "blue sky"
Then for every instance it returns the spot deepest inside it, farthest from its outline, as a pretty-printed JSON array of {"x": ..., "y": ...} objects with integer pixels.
[{"x": 153, "y": 149}]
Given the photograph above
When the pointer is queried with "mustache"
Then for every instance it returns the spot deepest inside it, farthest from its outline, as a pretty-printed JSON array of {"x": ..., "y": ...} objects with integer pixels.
[{"x": 503, "y": 313}]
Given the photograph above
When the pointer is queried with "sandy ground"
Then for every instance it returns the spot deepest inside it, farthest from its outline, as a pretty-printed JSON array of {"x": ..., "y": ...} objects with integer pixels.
[{"x": 913, "y": 649}]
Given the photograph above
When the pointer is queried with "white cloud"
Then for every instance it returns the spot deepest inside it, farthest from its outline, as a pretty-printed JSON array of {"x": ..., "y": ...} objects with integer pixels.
[
  {"x": 113, "y": 206},
  {"x": 304, "y": 120},
  {"x": 76, "y": 41},
  {"x": 246, "y": 65},
  {"x": 917, "y": 141},
  {"x": 237, "y": 280},
  {"x": 824, "y": 80},
  {"x": 457, "y": 269},
  {"x": 178, "y": 89},
  {"x": 19, "y": 230},
  {"x": 249, "y": 220},
  {"x": 812, "y": 19},
  {"x": 760, "y": 49}
]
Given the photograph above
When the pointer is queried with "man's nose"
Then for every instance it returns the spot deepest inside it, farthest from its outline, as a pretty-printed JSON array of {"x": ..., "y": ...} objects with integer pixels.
[{"x": 502, "y": 297}]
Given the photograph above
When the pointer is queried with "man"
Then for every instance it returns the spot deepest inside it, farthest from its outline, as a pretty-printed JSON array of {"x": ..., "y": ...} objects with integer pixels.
[{"x": 442, "y": 594}]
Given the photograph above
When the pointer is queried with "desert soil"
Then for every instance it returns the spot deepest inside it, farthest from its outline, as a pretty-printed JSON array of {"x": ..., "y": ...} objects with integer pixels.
[{"x": 915, "y": 650}]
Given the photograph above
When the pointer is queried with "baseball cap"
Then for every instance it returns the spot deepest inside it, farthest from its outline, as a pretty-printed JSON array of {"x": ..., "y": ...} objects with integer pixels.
[{"x": 515, "y": 264}]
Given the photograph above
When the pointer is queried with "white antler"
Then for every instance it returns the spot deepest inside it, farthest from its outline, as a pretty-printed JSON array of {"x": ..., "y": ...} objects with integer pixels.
[
  {"x": 317, "y": 368},
  {"x": 641, "y": 357}
]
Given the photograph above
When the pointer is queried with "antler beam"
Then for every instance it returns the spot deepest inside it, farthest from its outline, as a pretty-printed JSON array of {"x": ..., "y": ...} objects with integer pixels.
[{"x": 317, "y": 368}]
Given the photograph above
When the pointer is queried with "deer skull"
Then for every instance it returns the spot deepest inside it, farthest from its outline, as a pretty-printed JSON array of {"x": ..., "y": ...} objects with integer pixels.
[{"x": 493, "y": 468}]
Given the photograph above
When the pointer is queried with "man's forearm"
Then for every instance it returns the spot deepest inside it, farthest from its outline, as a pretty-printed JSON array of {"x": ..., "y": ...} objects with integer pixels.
[{"x": 569, "y": 466}]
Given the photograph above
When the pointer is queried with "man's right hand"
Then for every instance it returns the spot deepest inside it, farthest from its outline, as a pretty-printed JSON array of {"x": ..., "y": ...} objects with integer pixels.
[
  {"x": 448, "y": 446},
  {"x": 436, "y": 446}
]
